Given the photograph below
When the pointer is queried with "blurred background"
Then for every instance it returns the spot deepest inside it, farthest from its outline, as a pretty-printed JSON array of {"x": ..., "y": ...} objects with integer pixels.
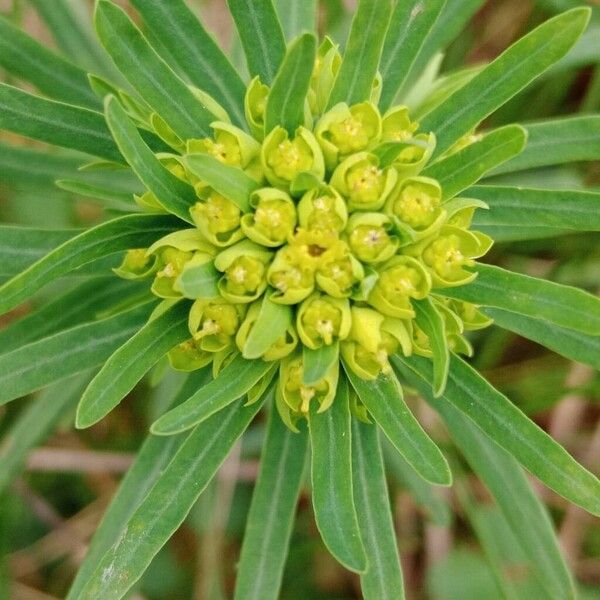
[{"x": 454, "y": 543}]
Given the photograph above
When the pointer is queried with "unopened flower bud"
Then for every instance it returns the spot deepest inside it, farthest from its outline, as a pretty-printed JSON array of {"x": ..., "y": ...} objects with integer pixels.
[
  {"x": 397, "y": 126},
  {"x": 327, "y": 66},
  {"x": 322, "y": 209},
  {"x": 339, "y": 271},
  {"x": 273, "y": 220},
  {"x": 188, "y": 356},
  {"x": 321, "y": 320},
  {"x": 369, "y": 237},
  {"x": 136, "y": 264},
  {"x": 291, "y": 276},
  {"x": 217, "y": 218},
  {"x": 255, "y": 104},
  {"x": 214, "y": 323}
]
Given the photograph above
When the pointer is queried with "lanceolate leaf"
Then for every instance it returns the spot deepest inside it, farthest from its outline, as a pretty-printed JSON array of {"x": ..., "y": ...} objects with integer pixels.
[
  {"x": 66, "y": 353},
  {"x": 109, "y": 198},
  {"x": 35, "y": 423},
  {"x": 272, "y": 323},
  {"x": 297, "y": 16},
  {"x": 56, "y": 123},
  {"x": 231, "y": 383},
  {"x": 285, "y": 105},
  {"x": 229, "y": 181},
  {"x": 174, "y": 195},
  {"x": 272, "y": 512},
  {"x": 131, "y": 231},
  {"x": 561, "y": 305},
  {"x": 520, "y": 506},
  {"x": 261, "y": 36},
  {"x": 151, "y": 460},
  {"x": 504, "y": 77},
  {"x": 331, "y": 476},
  {"x": 54, "y": 76},
  {"x": 432, "y": 323},
  {"x": 124, "y": 369},
  {"x": 464, "y": 168},
  {"x": 316, "y": 363},
  {"x": 560, "y": 141},
  {"x": 200, "y": 281},
  {"x": 195, "y": 53},
  {"x": 573, "y": 345},
  {"x": 409, "y": 26},
  {"x": 363, "y": 52},
  {"x": 383, "y": 578},
  {"x": 167, "y": 503},
  {"x": 515, "y": 208},
  {"x": 506, "y": 425},
  {"x": 383, "y": 399},
  {"x": 150, "y": 75}
]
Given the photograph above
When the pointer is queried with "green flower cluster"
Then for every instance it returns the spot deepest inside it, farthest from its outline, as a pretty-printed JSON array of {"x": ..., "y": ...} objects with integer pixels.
[{"x": 342, "y": 236}]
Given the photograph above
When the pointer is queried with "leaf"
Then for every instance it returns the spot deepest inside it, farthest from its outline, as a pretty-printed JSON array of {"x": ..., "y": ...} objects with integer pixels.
[
  {"x": 297, "y": 16},
  {"x": 272, "y": 512},
  {"x": 27, "y": 59},
  {"x": 228, "y": 181},
  {"x": 331, "y": 476},
  {"x": 409, "y": 27},
  {"x": 316, "y": 363},
  {"x": 504, "y": 77},
  {"x": 354, "y": 81},
  {"x": 195, "y": 53},
  {"x": 261, "y": 36},
  {"x": 506, "y": 425},
  {"x": 56, "y": 123},
  {"x": 383, "y": 578},
  {"x": 573, "y": 345},
  {"x": 561, "y": 305},
  {"x": 174, "y": 194},
  {"x": 232, "y": 383},
  {"x": 149, "y": 74},
  {"x": 35, "y": 423},
  {"x": 273, "y": 321},
  {"x": 79, "y": 305},
  {"x": 126, "y": 367},
  {"x": 384, "y": 401},
  {"x": 432, "y": 323},
  {"x": 525, "y": 514},
  {"x": 285, "y": 104},
  {"x": 557, "y": 142},
  {"x": 63, "y": 354},
  {"x": 109, "y": 198},
  {"x": 167, "y": 503},
  {"x": 131, "y": 231},
  {"x": 458, "y": 171},
  {"x": 200, "y": 281}
]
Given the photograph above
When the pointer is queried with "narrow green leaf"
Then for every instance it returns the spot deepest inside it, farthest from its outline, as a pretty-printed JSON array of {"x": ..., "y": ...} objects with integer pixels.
[
  {"x": 126, "y": 367},
  {"x": 506, "y": 425},
  {"x": 354, "y": 81},
  {"x": 27, "y": 59},
  {"x": 273, "y": 321},
  {"x": 561, "y": 305},
  {"x": 384, "y": 400},
  {"x": 35, "y": 423},
  {"x": 383, "y": 578},
  {"x": 543, "y": 212},
  {"x": 150, "y": 461},
  {"x": 174, "y": 195},
  {"x": 285, "y": 105},
  {"x": 167, "y": 503},
  {"x": 297, "y": 16},
  {"x": 195, "y": 53},
  {"x": 573, "y": 345},
  {"x": 556, "y": 142},
  {"x": 272, "y": 512},
  {"x": 56, "y": 123},
  {"x": 409, "y": 27},
  {"x": 231, "y": 383},
  {"x": 464, "y": 168},
  {"x": 229, "y": 181},
  {"x": 79, "y": 305},
  {"x": 261, "y": 36},
  {"x": 331, "y": 476},
  {"x": 432, "y": 323},
  {"x": 200, "y": 281},
  {"x": 149, "y": 74},
  {"x": 316, "y": 363},
  {"x": 72, "y": 351},
  {"x": 109, "y": 198},
  {"x": 523, "y": 511},
  {"x": 504, "y": 77},
  {"x": 131, "y": 231}
]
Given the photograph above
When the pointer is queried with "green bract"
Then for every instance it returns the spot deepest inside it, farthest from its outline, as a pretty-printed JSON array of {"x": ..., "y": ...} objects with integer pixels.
[{"x": 301, "y": 245}]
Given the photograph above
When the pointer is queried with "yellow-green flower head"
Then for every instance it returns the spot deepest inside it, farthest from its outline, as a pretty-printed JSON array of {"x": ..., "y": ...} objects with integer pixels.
[
  {"x": 217, "y": 218},
  {"x": 291, "y": 275},
  {"x": 274, "y": 218},
  {"x": 321, "y": 320},
  {"x": 327, "y": 66},
  {"x": 136, "y": 264},
  {"x": 396, "y": 125},
  {"x": 339, "y": 271},
  {"x": 214, "y": 323},
  {"x": 255, "y": 104},
  {"x": 283, "y": 159},
  {"x": 323, "y": 209},
  {"x": 369, "y": 237}
]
